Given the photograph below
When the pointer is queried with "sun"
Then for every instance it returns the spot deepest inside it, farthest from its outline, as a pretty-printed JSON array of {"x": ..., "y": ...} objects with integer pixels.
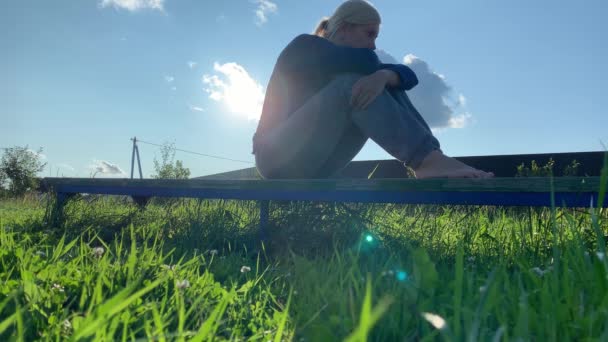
[{"x": 241, "y": 94}]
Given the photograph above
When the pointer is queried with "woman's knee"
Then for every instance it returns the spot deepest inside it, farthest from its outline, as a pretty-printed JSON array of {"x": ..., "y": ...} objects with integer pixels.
[{"x": 341, "y": 85}]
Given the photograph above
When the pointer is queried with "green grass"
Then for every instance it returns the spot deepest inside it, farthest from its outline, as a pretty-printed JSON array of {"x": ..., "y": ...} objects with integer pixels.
[{"x": 195, "y": 270}]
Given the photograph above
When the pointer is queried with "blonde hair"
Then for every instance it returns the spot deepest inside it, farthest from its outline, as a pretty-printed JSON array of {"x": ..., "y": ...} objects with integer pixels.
[{"x": 354, "y": 12}]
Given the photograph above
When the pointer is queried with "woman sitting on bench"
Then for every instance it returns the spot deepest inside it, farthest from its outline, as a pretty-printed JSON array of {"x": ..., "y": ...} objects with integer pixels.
[{"x": 329, "y": 93}]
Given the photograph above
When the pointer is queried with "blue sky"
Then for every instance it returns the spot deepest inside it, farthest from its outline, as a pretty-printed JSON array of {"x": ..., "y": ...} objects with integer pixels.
[{"x": 81, "y": 77}]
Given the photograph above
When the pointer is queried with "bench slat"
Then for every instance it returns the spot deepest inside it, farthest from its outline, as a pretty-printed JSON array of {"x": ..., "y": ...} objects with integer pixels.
[
  {"x": 531, "y": 184},
  {"x": 571, "y": 191}
]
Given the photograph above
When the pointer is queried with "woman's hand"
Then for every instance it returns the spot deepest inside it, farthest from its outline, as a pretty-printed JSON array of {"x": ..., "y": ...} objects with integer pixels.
[{"x": 367, "y": 88}]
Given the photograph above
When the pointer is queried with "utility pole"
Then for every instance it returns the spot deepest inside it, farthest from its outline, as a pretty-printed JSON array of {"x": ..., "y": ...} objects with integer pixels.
[{"x": 135, "y": 153}]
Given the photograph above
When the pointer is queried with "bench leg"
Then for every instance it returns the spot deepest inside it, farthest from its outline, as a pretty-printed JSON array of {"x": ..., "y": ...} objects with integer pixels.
[
  {"x": 141, "y": 201},
  {"x": 56, "y": 214},
  {"x": 263, "y": 219}
]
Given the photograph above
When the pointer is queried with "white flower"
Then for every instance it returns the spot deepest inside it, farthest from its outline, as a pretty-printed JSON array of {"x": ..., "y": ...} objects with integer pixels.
[
  {"x": 67, "y": 325},
  {"x": 540, "y": 272},
  {"x": 483, "y": 289},
  {"x": 437, "y": 321},
  {"x": 57, "y": 287},
  {"x": 600, "y": 256},
  {"x": 98, "y": 251},
  {"x": 245, "y": 269},
  {"x": 213, "y": 252},
  {"x": 183, "y": 284},
  {"x": 169, "y": 267}
]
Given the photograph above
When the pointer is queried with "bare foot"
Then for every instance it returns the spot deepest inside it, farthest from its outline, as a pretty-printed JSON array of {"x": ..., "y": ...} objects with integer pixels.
[{"x": 438, "y": 165}]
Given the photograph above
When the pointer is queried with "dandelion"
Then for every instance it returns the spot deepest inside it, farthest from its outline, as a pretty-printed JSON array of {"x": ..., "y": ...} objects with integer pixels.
[
  {"x": 540, "y": 272},
  {"x": 483, "y": 289},
  {"x": 169, "y": 267},
  {"x": 67, "y": 325},
  {"x": 600, "y": 256},
  {"x": 213, "y": 252},
  {"x": 245, "y": 269},
  {"x": 57, "y": 287},
  {"x": 183, "y": 284},
  {"x": 437, "y": 321},
  {"x": 98, "y": 251}
]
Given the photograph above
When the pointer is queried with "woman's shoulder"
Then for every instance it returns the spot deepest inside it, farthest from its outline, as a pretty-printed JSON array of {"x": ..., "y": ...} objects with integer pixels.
[
  {"x": 307, "y": 40},
  {"x": 303, "y": 45}
]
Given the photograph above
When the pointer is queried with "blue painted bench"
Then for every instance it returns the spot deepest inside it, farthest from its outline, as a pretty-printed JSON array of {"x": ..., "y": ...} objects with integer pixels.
[{"x": 533, "y": 191}]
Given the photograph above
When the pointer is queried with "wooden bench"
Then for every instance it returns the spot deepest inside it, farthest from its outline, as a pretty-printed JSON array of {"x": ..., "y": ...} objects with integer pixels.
[
  {"x": 385, "y": 187},
  {"x": 565, "y": 191}
]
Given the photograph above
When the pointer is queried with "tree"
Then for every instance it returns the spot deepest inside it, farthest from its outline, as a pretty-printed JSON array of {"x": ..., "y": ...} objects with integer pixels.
[
  {"x": 18, "y": 169},
  {"x": 167, "y": 168}
]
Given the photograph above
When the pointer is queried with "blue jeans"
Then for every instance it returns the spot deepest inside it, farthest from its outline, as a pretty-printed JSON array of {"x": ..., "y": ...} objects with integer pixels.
[{"x": 320, "y": 138}]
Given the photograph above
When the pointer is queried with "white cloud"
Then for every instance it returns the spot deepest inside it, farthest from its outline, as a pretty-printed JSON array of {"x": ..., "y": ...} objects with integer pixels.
[
  {"x": 169, "y": 79},
  {"x": 192, "y": 64},
  {"x": 433, "y": 97},
  {"x": 264, "y": 8},
  {"x": 65, "y": 166},
  {"x": 134, "y": 5},
  {"x": 196, "y": 108},
  {"x": 460, "y": 120},
  {"x": 462, "y": 100},
  {"x": 233, "y": 86},
  {"x": 105, "y": 168}
]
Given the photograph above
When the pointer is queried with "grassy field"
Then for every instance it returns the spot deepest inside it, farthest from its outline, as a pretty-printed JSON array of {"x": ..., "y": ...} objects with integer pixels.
[{"x": 195, "y": 270}]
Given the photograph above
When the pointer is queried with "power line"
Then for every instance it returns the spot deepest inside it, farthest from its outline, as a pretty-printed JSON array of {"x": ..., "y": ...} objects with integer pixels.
[{"x": 200, "y": 154}]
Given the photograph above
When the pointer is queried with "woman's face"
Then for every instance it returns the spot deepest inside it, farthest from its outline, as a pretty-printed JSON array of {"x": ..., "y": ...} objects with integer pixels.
[{"x": 358, "y": 36}]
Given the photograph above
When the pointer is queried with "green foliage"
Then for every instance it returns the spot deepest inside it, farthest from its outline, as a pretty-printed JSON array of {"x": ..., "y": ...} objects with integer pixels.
[
  {"x": 18, "y": 169},
  {"x": 113, "y": 271},
  {"x": 3, "y": 181},
  {"x": 571, "y": 170},
  {"x": 536, "y": 170},
  {"x": 168, "y": 167}
]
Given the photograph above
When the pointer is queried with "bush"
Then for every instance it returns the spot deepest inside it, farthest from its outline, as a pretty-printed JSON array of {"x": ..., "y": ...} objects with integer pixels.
[
  {"x": 546, "y": 170},
  {"x": 166, "y": 168},
  {"x": 18, "y": 170}
]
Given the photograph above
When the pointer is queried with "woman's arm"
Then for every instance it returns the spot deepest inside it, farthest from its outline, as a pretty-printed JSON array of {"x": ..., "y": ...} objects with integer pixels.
[
  {"x": 309, "y": 52},
  {"x": 399, "y": 76}
]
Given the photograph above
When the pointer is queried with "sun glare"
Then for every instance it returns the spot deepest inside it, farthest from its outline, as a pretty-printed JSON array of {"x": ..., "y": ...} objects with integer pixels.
[{"x": 236, "y": 89}]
